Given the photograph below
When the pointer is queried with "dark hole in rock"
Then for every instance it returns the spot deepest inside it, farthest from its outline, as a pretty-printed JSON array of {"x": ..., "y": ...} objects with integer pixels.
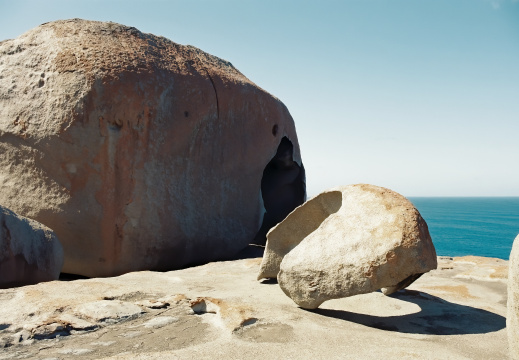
[
  {"x": 282, "y": 187},
  {"x": 186, "y": 113},
  {"x": 275, "y": 130}
]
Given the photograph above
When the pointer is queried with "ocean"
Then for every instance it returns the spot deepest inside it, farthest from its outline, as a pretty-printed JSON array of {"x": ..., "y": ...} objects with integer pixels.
[{"x": 481, "y": 226}]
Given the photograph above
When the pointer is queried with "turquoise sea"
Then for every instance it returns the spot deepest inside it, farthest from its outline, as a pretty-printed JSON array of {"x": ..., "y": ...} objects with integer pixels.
[{"x": 482, "y": 226}]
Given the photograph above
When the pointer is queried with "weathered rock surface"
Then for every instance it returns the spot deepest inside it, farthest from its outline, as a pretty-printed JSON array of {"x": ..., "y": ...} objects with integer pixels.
[
  {"x": 298, "y": 225},
  {"x": 373, "y": 239},
  {"x": 108, "y": 311},
  {"x": 29, "y": 251},
  {"x": 219, "y": 310},
  {"x": 138, "y": 152},
  {"x": 512, "y": 318}
]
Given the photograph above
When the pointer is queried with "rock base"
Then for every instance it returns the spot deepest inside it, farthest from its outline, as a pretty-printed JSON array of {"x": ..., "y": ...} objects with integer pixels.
[{"x": 220, "y": 310}]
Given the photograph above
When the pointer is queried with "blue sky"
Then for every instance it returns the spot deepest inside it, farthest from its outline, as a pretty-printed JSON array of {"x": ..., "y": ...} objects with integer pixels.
[{"x": 418, "y": 96}]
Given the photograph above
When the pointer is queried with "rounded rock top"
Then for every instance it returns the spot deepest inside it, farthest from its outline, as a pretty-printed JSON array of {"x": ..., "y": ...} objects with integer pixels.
[{"x": 140, "y": 153}]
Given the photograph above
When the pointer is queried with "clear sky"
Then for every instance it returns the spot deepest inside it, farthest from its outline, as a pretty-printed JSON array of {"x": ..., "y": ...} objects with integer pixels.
[{"x": 420, "y": 96}]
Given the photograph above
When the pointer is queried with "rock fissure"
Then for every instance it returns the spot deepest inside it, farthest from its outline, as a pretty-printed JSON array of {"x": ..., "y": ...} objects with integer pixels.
[{"x": 215, "y": 94}]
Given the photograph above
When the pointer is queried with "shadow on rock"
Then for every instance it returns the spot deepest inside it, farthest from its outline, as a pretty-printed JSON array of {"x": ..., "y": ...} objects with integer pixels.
[
  {"x": 269, "y": 281},
  {"x": 437, "y": 317},
  {"x": 250, "y": 252}
]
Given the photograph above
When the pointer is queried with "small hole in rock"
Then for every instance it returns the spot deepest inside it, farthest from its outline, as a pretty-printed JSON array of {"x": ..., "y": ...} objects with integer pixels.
[
  {"x": 186, "y": 113},
  {"x": 275, "y": 130}
]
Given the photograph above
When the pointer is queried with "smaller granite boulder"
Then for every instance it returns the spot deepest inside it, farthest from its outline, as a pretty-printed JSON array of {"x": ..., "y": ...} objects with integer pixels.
[
  {"x": 298, "y": 224},
  {"x": 373, "y": 238},
  {"x": 512, "y": 317},
  {"x": 29, "y": 251}
]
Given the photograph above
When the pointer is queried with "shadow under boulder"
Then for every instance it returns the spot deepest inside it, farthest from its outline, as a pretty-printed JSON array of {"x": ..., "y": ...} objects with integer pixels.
[{"x": 436, "y": 317}]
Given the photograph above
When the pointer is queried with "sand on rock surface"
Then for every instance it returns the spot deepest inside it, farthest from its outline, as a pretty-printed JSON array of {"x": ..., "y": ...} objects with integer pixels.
[{"x": 220, "y": 310}]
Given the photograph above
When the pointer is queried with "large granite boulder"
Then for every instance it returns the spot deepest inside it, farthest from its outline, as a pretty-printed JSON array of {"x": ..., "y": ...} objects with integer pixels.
[
  {"x": 138, "y": 152},
  {"x": 29, "y": 251},
  {"x": 355, "y": 239},
  {"x": 512, "y": 317}
]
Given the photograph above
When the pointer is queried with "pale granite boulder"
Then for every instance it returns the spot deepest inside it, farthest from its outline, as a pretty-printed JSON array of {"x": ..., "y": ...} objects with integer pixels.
[
  {"x": 140, "y": 153},
  {"x": 298, "y": 224},
  {"x": 377, "y": 239},
  {"x": 512, "y": 318},
  {"x": 29, "y": 251}
]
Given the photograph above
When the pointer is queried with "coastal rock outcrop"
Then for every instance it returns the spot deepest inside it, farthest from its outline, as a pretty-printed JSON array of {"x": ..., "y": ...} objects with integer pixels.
[
  {"x": 29, "y": 251},
  {"x": 218, "y": 311},
  {"x": 140, "y": 153},
  {"x": 372, "y": 239},
  {"x": 512, "y": 317}
]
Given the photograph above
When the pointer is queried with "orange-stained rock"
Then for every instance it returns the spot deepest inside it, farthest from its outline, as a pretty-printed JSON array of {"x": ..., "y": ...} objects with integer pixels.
[{"x": 138, "y": 152}]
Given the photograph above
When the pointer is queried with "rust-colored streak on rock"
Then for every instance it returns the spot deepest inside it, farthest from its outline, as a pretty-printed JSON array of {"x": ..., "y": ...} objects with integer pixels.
[{"x": 122, "y": 153}]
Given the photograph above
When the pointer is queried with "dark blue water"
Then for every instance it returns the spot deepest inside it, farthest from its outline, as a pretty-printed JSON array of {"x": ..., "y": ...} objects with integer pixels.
[{"x": 471, "y": 226}]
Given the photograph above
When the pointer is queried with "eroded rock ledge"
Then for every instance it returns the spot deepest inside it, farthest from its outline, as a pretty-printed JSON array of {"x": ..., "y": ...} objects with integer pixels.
[{"x": 457, "y": 311}]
